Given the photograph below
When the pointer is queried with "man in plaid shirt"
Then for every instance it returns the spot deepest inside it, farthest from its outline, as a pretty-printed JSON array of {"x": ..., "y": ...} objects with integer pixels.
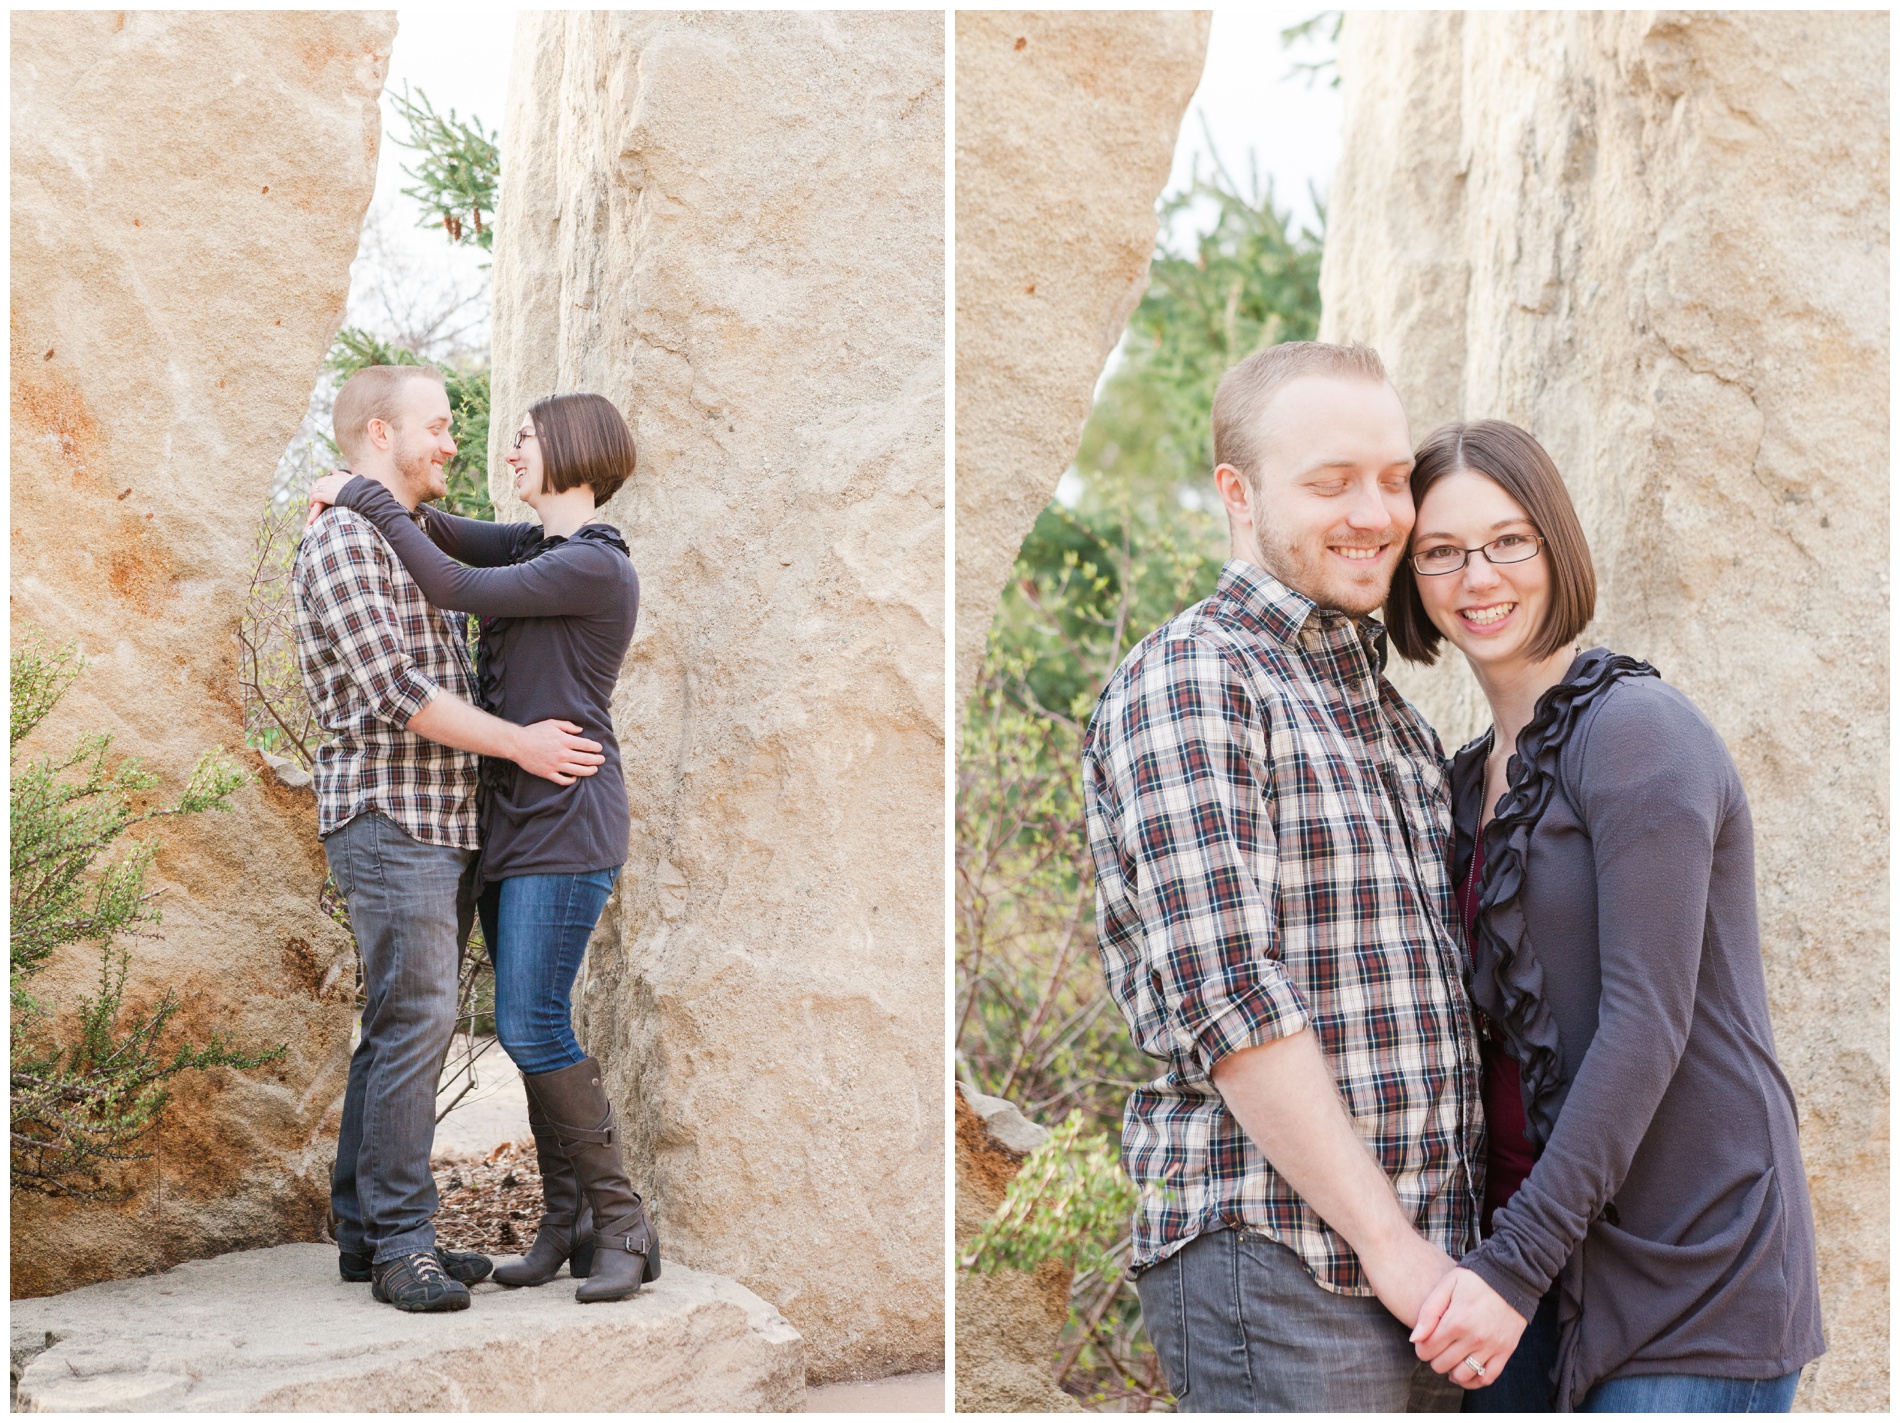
[
  {"x": 388, "y": 677},
  {"x": 1270, "y": 828}
]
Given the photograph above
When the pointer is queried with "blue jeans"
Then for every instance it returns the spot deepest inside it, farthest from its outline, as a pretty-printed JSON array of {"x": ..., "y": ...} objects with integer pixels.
[
  {"x": 1692, "y": 1393},
  {"x": 537, "y": 928},
  {"x": 1526, "y": 1384},
  {"x": 410, "y": 910},
  {"x": 1241, "y": 1327}
]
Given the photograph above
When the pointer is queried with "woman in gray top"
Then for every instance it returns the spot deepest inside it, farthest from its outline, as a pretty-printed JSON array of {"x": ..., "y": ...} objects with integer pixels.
[
  {"x": 1661, "y": 1247},
  {"x": 557, "y": 602}
]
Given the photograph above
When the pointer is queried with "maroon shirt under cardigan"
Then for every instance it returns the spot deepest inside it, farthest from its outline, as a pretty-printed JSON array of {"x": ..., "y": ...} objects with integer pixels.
[{"x": 1507, "y": 1157}]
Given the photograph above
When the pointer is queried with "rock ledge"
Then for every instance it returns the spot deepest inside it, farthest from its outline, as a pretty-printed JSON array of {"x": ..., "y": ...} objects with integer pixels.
[{"x": 277, "y": 1331}]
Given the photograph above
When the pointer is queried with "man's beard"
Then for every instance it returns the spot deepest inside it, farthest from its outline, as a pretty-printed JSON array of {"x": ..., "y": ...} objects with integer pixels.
[
  {"x": 1306, "y": 571},
  {"x": 422, "y": 474}
]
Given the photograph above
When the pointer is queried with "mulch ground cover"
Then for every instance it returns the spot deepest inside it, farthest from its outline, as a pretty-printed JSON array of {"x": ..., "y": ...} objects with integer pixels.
[{"x": 489, "y": 1204}]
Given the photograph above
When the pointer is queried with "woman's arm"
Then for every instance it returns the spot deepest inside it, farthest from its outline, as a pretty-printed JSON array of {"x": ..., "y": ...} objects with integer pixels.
[
  {"x": 476, "y": 542},
  {"x": 557, "y": 584},
  {"x": 1655, "y": 788}
]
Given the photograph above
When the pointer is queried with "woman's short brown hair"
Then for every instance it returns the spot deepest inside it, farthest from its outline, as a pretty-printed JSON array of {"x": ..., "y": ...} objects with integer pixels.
[
  {"x": 1517, "y": 464},
  {"x": 584, "y": 440}
]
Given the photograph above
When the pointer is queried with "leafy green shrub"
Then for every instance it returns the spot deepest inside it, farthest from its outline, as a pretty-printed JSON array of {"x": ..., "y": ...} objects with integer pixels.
[
  {"x": 1069, "y": 1197},
  {"x": 82, "y": 1098}
]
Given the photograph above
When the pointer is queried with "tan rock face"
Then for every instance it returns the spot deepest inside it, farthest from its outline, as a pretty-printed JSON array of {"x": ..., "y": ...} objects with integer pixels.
[
  {"x": 732, "y": 227},
  {"x": 187, "y": 192},
  {"x": 1007, "y": 1322},
  {"x": 1066, "y": 124},
  {"x": 1661, "y": 245}
]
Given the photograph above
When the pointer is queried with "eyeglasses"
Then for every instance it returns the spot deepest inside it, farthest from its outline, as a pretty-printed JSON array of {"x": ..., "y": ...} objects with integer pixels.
[
  {"x": 521, "y": 435},
  {"x": 1448, "y": 558}
]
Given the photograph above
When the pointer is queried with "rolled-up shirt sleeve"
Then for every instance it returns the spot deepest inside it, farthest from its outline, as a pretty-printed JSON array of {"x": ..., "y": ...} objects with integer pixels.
[
  {"x": 1195, "y": 839},
  {"x": 353, "y": 598}
]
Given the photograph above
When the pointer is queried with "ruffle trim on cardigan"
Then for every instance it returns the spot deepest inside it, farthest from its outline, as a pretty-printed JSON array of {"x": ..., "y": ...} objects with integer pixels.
[{"x": 1507, "y": 981}]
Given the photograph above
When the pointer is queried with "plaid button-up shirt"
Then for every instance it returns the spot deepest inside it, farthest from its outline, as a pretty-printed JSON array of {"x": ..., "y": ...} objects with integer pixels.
[
  {"x": 373, "y": 652},
  {"x": 1271, "y": 828}
]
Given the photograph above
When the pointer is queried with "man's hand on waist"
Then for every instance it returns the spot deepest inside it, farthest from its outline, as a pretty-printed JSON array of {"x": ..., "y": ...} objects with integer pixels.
[
  {"x": 556, "y": 751},
  {"x": 553, "y": 750}
]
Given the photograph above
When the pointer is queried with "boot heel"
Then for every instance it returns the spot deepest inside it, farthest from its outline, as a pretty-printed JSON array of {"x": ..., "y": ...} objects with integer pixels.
[
  {"x": 581, "y": 1263},
  {"x": 653, "y": 1266}
]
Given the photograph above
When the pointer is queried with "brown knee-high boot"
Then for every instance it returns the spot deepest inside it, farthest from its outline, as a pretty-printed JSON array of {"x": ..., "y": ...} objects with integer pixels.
[
  {"x": 626, "y": 1246},
  {"x": 566, "y": 1232}
]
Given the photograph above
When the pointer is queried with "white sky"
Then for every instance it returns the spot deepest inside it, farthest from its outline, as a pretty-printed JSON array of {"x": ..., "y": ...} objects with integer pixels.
[
  {"x": 1292, "y": 125},
  {"x": 460, "y": 59}
]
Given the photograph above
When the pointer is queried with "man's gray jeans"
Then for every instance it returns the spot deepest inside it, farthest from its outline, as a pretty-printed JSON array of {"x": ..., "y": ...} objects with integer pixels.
[
  {"x": 1241, "y": 1327},
  {"x": 410, "y": 908}
]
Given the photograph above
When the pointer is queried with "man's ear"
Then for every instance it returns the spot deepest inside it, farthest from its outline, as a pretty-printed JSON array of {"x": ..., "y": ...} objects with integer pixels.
[{"x": 1236, "y": 495}]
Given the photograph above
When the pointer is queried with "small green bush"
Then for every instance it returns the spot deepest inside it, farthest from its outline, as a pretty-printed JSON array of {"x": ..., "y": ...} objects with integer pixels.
[{"x": 81, "y": 1097}]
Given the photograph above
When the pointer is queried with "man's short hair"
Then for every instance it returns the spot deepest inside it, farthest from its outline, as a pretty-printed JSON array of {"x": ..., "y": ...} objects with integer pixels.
[
  {"x": 584, "y": 440},
  {"x": 1513, "y": 460},
  {"x": 373, "y": 393},
  {"x": 1245, "y": 390}
]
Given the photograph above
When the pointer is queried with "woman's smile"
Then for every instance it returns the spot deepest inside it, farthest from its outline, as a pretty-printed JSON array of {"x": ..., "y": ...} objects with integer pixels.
[{"x": 1487, "y": 618}]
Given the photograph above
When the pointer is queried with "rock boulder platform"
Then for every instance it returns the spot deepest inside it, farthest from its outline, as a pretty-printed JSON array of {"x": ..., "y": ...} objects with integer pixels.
[{"x": 277, "y": 1331}]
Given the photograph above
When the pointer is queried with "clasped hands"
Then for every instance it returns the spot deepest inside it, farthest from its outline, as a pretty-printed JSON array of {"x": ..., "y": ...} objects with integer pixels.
[{"x": 1455, "y": 1316}]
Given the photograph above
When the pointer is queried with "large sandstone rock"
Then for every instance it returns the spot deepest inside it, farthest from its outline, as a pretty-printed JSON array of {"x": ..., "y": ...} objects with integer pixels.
[
  {"x": 187, "y": 192},
  {"x": 1660, "y": 243},
  {"x": 1007, "y": 1322},
  {"x": 276, "y": 1331},
  {"x": 1066, "y": 122},
  {"x": 732, "y": 226}
]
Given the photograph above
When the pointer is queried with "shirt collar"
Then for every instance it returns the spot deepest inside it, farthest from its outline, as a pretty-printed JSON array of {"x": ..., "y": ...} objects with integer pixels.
[{"x": 1264, "y": 604}]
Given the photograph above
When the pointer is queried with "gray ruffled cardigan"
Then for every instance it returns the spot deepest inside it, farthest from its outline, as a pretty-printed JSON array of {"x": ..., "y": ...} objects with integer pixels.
[{"x": 1616, "y": 953}]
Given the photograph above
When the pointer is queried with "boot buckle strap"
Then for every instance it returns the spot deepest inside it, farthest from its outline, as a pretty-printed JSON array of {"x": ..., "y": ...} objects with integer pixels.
[
  {"x": 638, "y": 1241},
  {"x": 583, "y": 1136}
]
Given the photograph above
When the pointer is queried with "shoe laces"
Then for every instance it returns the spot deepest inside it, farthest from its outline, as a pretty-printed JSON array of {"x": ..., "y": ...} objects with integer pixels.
[{"x": 427, "y": 1269}]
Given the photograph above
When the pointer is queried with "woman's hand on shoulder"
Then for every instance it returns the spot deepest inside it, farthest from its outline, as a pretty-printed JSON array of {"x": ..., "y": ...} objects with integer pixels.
[
  {"x": 1463, "y": 1319},
  {"x": 324, "y": 492}
]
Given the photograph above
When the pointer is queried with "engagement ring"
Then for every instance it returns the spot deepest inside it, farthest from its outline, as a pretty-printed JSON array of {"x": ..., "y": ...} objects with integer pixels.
[{"x": 1475, "y": 1367}]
